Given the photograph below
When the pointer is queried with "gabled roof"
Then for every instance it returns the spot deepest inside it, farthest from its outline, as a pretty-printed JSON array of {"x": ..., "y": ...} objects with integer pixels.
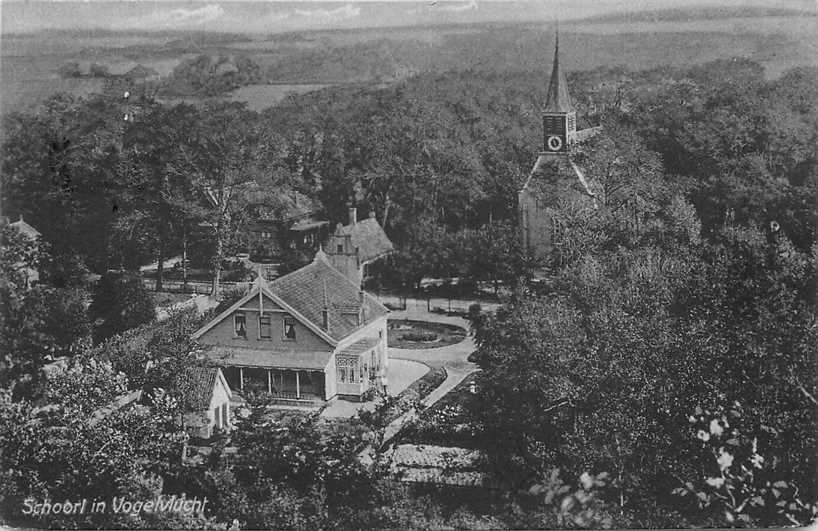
[
  {"x": 557, "y": 98},
  {"x": 305, "y": 293},
  {"x": 260, "y": 286},
  {"x": 306, "y": 290},
  {"x": 195, "y": 385},
  {"x": 369, "y": 237}
]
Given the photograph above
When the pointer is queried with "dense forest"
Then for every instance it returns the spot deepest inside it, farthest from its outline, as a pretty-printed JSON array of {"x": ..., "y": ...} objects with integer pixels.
[{"x": 667, "y": 359}]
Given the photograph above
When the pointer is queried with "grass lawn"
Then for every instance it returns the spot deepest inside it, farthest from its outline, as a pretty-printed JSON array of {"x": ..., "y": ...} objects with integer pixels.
[{"x": 409, "y": 334}]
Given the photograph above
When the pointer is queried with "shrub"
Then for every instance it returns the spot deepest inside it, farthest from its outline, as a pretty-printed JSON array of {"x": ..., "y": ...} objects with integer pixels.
[
  {"x": 121, "y": 302},
  {"x": 419, "y": 336}
]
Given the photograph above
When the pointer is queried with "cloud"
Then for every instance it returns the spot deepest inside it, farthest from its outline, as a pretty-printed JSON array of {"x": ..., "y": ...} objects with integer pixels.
[
  {"x": 330, "y": 15},
  {"x": 458, "y": 8},
  {"x": 174, "y": 18},
  {"x": 434, "y": 6}
]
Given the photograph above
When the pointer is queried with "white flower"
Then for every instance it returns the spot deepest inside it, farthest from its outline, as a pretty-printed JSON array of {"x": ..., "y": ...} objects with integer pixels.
[
  {"x": 703, "y": 435},
  {"x": 586, "y": 480},
  {"x": 715, "y": 482},
  {"x": 725, "y": 460},
  {"x": 757, "y": 460},
  {"x": 715, "y": 428}
]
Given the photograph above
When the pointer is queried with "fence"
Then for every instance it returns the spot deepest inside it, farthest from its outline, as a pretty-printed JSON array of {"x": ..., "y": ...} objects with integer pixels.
[
  {"x": 434, "y": 304},
  {"x": 197, "y": 287}
]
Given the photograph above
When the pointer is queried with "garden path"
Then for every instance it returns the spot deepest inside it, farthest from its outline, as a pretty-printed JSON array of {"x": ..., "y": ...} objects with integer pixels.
[{"x": 453, "y": 357}]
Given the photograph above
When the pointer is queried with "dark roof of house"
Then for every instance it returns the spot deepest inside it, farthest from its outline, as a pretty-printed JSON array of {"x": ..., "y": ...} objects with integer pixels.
[
  {"x": 554, "y": 171},
  {"x": 195, "y": 386},
  {"x": 140, "y": 71},
  {"x": 285, "y": 359},
  {"x": 318, "y": 284},
  {"x": 557, "y": 98},
  {"x": 368, "y": 236},
  {"x": 307, "y": 224}
]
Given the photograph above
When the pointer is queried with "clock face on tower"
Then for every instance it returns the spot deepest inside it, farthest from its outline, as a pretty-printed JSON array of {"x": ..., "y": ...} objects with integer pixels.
[{"x": 554, "y": 133}]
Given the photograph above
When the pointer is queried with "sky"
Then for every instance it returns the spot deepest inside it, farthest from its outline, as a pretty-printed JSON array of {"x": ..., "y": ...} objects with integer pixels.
[{"x": 273, "y": 17}]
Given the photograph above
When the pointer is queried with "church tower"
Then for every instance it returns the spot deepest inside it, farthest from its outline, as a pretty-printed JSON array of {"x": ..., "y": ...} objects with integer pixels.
[
  {"x": 559, "y": 118},
  {"x": 555, "y": 178}
]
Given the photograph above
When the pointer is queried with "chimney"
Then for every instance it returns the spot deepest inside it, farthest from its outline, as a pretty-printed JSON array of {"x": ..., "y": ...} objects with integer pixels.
[
  {"x": 353, "y": 215},
  {"x": 325, "y": 311}
]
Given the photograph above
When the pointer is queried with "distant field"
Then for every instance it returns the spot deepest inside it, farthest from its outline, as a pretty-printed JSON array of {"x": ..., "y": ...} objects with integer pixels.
[
  {"x": 25, "y": 95},
  {"x": 307, "y": 61},
  {"x": 260, "y": 97}
]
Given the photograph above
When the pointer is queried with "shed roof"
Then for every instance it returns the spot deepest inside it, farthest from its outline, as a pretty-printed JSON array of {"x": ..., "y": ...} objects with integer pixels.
[
  {"x": 272, "y": 359},
  {"x": 359, "y": 346},
  {"x": 195, "y": 385}
]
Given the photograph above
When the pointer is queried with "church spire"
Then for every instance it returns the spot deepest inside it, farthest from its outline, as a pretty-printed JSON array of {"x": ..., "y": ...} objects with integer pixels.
[{"x": 557, "y": 99}]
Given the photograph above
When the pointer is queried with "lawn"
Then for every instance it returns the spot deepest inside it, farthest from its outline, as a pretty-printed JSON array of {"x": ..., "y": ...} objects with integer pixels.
[{"x": 409, "y": 334}]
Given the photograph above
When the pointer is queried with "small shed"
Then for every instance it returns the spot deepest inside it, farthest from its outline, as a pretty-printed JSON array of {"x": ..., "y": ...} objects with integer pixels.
[{"x": 206, "y": 400}]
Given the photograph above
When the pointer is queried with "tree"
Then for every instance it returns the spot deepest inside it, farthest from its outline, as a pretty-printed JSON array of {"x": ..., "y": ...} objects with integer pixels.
[
  {"x": 598, "y": 371},
  {"x": 36, "y": 324},
  {"x": 224, "y": 156},
  {"x": 120, "y": 302}
]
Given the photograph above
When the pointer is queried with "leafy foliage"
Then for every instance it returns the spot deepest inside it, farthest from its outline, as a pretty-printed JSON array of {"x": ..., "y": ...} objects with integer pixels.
[{"x": 121, "y": 302}]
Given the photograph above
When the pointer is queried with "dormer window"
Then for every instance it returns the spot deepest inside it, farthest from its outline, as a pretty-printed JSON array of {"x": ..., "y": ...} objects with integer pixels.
[
  {"x": 240, "y": 325},
  {"x": 340, "y": 249},
  {"x": 289, "y": 329}
]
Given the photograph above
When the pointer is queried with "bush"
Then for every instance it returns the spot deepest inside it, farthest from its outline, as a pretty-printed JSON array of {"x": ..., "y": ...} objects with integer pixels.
[
  {"x": 419, "y": 336},
  {"x": 121, "y": 302}
]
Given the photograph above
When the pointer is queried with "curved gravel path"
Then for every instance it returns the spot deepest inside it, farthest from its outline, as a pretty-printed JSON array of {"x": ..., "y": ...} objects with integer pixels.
[{"x": 453, "y": 357}]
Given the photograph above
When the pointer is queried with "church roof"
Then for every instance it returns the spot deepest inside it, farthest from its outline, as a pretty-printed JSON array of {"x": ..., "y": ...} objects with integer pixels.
[
  {"x": 369, "y": 237},
  {"x": 557, "y": 98},
  {"x": 554, "y": 171}
]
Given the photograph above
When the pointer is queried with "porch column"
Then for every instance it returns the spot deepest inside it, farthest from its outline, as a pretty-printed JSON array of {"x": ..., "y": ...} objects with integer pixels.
[
  {"x": 241, "y": 378},
  {"x": 269, "y": 382},
  {"x": 297, "y": 385}
]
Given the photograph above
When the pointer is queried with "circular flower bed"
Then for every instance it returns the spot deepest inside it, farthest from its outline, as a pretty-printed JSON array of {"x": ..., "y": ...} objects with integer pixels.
[{"x": 409, "y": 334}]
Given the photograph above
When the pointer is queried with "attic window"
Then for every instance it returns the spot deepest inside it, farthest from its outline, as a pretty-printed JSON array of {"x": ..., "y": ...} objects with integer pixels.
[
  {"x": 289, "y": 328},
  {"x": 240, "y": 325},
  {"x": 340, "y": 249},
  {"x": 264, "y": 327}
]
